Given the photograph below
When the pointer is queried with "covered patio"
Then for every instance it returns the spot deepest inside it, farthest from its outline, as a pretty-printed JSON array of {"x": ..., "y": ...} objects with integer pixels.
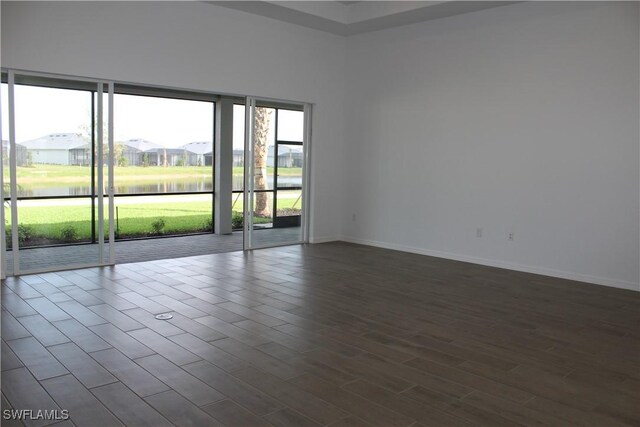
[{"x": 128, "y": 251}]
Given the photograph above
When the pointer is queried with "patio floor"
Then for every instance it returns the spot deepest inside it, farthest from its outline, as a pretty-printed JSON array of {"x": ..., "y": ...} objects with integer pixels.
[{"x": 61, "y": 257}]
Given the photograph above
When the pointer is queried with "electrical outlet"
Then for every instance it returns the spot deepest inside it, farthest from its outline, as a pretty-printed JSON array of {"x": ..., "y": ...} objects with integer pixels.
[
  {"x": 478, "y": 232},
  {"x": 510, "y": 235}
]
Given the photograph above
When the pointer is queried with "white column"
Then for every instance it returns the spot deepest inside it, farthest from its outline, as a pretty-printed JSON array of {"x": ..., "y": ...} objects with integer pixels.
[{"x": 223, "y": 165}]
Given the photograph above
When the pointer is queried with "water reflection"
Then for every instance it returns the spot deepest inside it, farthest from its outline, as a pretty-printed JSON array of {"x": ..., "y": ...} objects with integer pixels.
[
  {"x": 283, "y": 181},
  {"x": 157, "y": 187},
  {"x": 85, "y": 190}
]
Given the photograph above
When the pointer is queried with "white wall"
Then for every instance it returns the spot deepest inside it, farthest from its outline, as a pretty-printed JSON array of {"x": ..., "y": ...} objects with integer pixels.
[
  {"x": 520, "y": 119},
  {"x": 52, "y": 157},
  {"x": 199, "y": 46}
]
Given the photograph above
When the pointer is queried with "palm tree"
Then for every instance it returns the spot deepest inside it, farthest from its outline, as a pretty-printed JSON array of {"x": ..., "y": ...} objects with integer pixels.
[{"x": 262, "y": 122}]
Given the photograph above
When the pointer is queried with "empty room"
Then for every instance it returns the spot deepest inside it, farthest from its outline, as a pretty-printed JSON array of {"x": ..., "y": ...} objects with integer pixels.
[{"x": 320, "y": 213}]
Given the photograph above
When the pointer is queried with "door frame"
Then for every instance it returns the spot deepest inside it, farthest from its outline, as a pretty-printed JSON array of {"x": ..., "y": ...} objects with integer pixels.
[
  {"x": 251, "y": 103},
  {"x": 103, "y": 260}
]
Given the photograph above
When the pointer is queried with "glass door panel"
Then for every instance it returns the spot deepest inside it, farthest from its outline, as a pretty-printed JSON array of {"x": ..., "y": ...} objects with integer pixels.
[
  {"x": 274, "y": 174},
  {"x": 57, "y": 150},
  {"x": 5, "y": 189},
  {"x": 290, "y": 125},
  {"x": 290, "y": 159},
  {"x": 287, "y": 218}
]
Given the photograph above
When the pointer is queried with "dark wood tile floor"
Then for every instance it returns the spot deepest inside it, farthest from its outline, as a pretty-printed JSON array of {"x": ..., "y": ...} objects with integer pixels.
[{"x": 319, "y": 335}]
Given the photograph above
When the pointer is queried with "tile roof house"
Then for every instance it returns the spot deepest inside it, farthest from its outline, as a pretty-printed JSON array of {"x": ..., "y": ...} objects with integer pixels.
[
  {"x": 59, "y": 149},
  {"x": 21, "y": 154},
  {"x": 200, "y": 153},
  {"x": 139, "y": 152}
]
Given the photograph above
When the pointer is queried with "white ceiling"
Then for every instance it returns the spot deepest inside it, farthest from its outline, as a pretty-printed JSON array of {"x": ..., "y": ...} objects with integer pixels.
[{"x": 356, "y": 17}]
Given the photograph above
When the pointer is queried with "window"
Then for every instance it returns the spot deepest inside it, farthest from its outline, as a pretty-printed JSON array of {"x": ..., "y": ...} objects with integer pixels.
[{"x": 163, "y": 151}]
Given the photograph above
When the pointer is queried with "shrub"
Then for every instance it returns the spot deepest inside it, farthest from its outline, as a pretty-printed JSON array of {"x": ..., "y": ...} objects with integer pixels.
[
  {"x": 25, "y": 233},
  {"x": 69, "y": 234},
  {"x": 157, "y": 226},
  {"x": 236, "y": 220},
  {"x": 208, "y": 224}
]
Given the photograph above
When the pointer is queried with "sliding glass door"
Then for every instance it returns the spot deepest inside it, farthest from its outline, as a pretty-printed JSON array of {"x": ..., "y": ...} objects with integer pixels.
[
  {"x": 57, "y": 173},
  {"x": 61, "y": 169},
  {"x": 276, "y": 153},
  {"x": 164, "y": 155}
]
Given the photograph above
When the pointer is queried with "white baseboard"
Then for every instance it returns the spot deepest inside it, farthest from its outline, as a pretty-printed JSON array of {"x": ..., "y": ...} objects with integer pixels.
[
  {"x": 621, "y": 284},
  {"x": 325, "y": 239}
]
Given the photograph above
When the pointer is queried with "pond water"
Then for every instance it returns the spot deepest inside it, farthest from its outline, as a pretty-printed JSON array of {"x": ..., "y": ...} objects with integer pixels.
[{"x": 159, "y": 187}]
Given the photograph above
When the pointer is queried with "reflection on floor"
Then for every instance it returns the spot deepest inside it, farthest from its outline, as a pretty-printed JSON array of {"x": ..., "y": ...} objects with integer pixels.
[{"x": 146, "y": 249}]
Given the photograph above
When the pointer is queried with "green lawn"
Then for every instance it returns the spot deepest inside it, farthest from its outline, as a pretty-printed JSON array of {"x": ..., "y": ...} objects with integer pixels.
[
  {"x": 50, "y": 220},
  {"x": 133, "y": 220}
]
